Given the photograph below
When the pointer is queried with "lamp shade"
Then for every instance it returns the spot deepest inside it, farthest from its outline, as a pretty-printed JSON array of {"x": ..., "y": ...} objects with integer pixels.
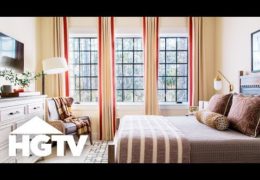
[
  {"x": 217, "y": 84},
  {"x": 54, "y": 65}
]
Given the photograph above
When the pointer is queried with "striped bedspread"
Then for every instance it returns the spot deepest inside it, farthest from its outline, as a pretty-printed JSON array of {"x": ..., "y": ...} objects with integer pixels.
[{"x": 150, "y": 139}]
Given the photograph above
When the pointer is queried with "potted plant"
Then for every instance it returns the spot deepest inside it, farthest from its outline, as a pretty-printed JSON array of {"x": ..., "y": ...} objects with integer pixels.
[{"x": 22, "y": 80}]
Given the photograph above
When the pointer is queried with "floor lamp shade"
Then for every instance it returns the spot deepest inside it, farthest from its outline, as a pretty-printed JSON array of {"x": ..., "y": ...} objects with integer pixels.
[
  {"x": 217, "y": 84},
  {"x": 54, "y": 65}
]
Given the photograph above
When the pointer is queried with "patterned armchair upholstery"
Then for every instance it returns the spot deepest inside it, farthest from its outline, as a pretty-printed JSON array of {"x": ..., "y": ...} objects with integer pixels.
[{"x": 54, "y": 120}]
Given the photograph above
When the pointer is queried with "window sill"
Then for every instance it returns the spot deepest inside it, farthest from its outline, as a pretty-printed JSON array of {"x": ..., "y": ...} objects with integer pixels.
[{"x": 123, "y": 106}]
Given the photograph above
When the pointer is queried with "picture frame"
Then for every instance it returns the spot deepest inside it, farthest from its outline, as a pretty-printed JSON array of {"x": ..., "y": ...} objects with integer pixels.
[{"x": 255, "y": 51}]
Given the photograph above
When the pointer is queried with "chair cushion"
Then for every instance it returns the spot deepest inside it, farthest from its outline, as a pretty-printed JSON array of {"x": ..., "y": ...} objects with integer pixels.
[{"x": 70, "y": 128}]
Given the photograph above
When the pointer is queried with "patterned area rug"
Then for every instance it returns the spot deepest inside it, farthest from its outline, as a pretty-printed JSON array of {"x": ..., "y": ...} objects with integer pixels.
[{"x": 97, "y": 153}]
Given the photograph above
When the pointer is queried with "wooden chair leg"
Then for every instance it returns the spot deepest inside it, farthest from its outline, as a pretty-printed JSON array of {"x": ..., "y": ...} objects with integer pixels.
[{"x": 90, "y": 138}]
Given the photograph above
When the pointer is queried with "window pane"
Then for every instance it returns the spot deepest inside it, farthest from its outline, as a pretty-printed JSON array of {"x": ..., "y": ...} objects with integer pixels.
[
  {"x": 119, "y": 83},
  {"x": 119, "y": 70},
  {"x": 85, "y": 83},
  {"x": 138, "y": 57},
  {"x": 94, "y": 96},
  {"x": 138, "y": 95},
  {"x": 182, "y": 96},
  {"x": 182, "y": 83},
  {"x": 85, "y": 96},
  {"x": 170, "y": 57},
  {"x": 119, "y": 44},
  {"x": 74, "y": 57},
  {"x": 94, "y": 57},
  {"x": 75, "y": 44},
  {"x": 138, "y": 83},
  {"x": 94, "y": 83},
  {"x": 138, "y": 44},
  {"x": 128, "y": 44},
  {"x": 118, "y": 57},
  {"x": 138, "y": 70},
  {"x": 75, "y": 70},
  {"x": 94, "y": 44},
  {"x": 182, "y": 70},
  {"x": 128, "y": 57},
  {"x": 85, "y": 70},
  {"x": 128, "y": 95},
  {"x": 84, "y": 57},
  {"x": 171, "y": 70},
  {"x": 182, "y": 57},
  {"x": 94, "y": 70},
  {"x": 170, "y": 96},
  {"x": 162, "y": 57},
  {"x": 71, "y": 47},
  {"x": 161, "y": 70},
  {"x": 162, "y": 43},
  {"x": 119, "y": 96},
  {"x": 170, "y": 83},
  {"x": 128, "y": 70},
  {"x": 182, "y": 43},
  {"x": 161, "y": 95},
  {"x": 161, "y": 82},
  {"x": 84, "y": 44},
  {"x": 75, "y": 95},
  {"x": 171, "y": 44},
  {"x": 77, "y": 82},
  {"x": 128, "y": 83}
]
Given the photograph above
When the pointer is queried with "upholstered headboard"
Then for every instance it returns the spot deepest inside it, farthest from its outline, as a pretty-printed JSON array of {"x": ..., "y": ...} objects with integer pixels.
[{"x": 250, "y": 84}]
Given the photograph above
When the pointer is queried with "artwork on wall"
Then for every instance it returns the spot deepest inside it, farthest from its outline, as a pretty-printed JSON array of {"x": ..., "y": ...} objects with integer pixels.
[{"x": 255, "y": 51}]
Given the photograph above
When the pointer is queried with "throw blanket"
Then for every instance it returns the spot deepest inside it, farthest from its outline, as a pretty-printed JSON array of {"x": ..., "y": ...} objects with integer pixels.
[
  {"x": 150, "y": 139},
  {"x": 64, "y": 110}
]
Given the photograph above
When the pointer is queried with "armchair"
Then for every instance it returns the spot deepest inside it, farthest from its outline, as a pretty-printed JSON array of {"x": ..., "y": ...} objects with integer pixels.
[{"x": 54, "y": 120}]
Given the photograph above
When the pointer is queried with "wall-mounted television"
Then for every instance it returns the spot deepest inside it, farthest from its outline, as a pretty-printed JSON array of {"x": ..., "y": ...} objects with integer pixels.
[{"x": 11, "y": 53}]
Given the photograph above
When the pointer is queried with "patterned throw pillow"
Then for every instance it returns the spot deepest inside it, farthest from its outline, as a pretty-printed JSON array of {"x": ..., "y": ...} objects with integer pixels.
[
  {"x": 220, "y": 103},
  {"x": 212, "y": 119},
  {"x": 244, "y": 114}
]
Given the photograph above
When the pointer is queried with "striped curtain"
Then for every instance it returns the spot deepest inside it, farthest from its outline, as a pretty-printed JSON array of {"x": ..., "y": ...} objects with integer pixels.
[
  {"x": 151, "y": 37},
  {"x": 56, "y": 86},
  {"x": 107, "y": 103},
  {"x": 201, "y": 33}
]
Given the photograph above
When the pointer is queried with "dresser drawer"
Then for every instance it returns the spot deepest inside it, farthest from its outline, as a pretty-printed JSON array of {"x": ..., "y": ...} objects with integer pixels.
[
  {"x": 4, "y": 134},
  {"x": 34, "y": 108},
  {"x": 15, "y": 112}
]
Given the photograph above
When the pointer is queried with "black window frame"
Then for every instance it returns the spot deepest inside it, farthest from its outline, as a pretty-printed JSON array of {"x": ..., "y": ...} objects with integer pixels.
[
  {"x": 79, "y": 64},
  {"x": 177, "y": 63},
  {"x": 133, "y": 64}
]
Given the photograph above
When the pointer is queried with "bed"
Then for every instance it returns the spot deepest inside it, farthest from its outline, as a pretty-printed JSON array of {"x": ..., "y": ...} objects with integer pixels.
[{"x": 199, "y": 143}]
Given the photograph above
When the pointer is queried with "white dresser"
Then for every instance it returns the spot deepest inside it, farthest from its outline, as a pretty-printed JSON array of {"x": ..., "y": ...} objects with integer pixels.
[{"x": 13, "y": 113}]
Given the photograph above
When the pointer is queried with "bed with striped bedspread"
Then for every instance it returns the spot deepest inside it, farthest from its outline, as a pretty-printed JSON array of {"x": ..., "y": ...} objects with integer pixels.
[{"x": 150, "y": 139}]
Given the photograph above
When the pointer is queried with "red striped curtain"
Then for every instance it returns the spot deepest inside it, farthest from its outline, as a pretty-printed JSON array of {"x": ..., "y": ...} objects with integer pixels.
[{"x": 107, "y": 102}]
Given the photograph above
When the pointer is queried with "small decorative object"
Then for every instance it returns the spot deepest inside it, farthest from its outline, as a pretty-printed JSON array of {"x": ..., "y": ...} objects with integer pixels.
[
  {"x": 193, "y": 109},
  {"x": 6, "y": 89},
  {"x": 22, "y": 80},
  {"x": 255, "y": 51}
]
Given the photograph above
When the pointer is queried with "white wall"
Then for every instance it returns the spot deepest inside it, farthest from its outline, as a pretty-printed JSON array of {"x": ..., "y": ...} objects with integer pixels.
[
  {"x": 233, "y": 46},
  {"x": 23, "y": 29}
]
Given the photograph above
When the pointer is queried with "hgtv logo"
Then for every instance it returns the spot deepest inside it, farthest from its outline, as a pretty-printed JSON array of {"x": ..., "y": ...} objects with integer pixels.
[{"x": 40, "y": 143}]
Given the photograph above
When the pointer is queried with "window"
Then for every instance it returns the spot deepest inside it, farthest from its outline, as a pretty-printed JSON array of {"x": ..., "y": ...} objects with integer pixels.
[
  {"x": 173, "y": 69},
  {"x": 129, "y": 69},
  {"x": 83, "y": 65}
]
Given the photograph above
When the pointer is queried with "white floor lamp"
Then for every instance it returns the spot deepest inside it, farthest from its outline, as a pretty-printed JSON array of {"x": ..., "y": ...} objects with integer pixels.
[{"x": 54, "y": 65}]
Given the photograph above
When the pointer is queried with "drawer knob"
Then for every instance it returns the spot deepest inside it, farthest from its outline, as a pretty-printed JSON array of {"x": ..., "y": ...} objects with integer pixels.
[
  {"x": 13, "y": 113},
  {"x": 36, "y": 107}
]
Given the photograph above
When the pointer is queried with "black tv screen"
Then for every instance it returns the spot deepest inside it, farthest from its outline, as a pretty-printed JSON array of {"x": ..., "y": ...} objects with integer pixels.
[{"x": 11, "y": 53}]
